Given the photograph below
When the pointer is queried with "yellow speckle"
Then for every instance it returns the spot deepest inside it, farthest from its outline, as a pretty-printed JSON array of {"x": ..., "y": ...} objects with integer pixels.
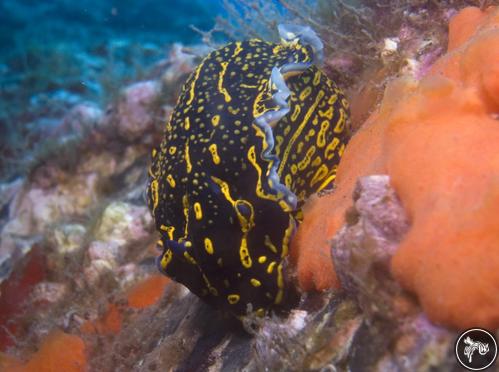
[
  {"x": 215, "y": 120},
  {"x": 214, "y": 153},
  {"x": 303, "y": 164},
  {"x": 327, "y": 114},
  {"x": 332, "y": 99},
  {"x": 284, "y": 206},
  {"x": 305, "y": 93},
  {"x": 341, "y": 150},
  {"x": 319, "y": 174},
  {"x": 172, "y": 150},
  {"x": 233, "y": 299},
  {"x": 296, "y": 112},
  {"x": 208, "y": 246},
  {"x": 340, "y": 125},
  {"x": 262, "y": 259},
  {"x": 170, "y": 180},
  {"x": 331, "y": 147},
  {"x": 268, "y": 243},
  {"x": 189, "y": 258},
  {"x": 165, "y": 260},
  {"x": 198, "y": 211},
  {"x": 317, "y": 78},
  {"x": 244, "y": 253},
  {"x": 321, "y": 136},
  {"x": 255, "y": 282},
  {"x": 271, "y": 266},
  {"x": 233, "y": 111},
  {"x": 317, "y": 161}
]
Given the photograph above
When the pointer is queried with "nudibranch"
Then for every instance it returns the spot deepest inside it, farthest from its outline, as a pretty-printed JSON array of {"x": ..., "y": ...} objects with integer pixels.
[{"x": 256, "y": 130}]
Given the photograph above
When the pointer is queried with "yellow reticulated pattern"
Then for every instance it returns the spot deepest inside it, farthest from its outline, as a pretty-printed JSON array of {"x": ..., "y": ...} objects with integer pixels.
[{"x": 237, "y": 163}]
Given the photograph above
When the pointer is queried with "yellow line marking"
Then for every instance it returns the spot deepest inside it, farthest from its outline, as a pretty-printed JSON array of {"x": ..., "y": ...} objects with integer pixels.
[
  {"x": 169, "y": 230},
  {"x": 259, "y": 189},
  {"x": 221, "y": 80},
  {"x": 187, "y": 158},
  {"x": 238, "y": 49},
  {"x": 280, "y": 285},
  {"x": 155, "y": 194},
  {"x": 268, "y": 243},
  {"x": 298, "y": 131},
  {"x": 193, "y": 84},
  {"x": 244, "y": 253},
  {"x": 185, "y": 204}
]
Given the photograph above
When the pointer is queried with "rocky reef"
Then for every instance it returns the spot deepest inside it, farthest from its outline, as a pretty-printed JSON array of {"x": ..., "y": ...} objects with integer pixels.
[
  {"x": 436, "y": 140},
  {"x": 391, "y": 263}
]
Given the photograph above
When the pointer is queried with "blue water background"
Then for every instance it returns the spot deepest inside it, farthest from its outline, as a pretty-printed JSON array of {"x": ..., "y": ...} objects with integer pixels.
[
  {"x": 84, "y": 49},
  {"x": 57, "y": 54},
  {"x": 90, "y": 22}
]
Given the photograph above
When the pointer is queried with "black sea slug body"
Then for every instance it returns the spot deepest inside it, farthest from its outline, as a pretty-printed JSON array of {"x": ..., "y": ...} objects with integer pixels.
[{"x": 257, "y": 129}]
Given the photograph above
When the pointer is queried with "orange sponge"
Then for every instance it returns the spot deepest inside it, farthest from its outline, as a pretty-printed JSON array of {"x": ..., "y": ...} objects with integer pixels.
[
  {"x": 59, "y": 351},
  {"x": 438, "y": 139},
  {"x": 142, "y": 295},
  {"x": 147, "y": 292}
]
